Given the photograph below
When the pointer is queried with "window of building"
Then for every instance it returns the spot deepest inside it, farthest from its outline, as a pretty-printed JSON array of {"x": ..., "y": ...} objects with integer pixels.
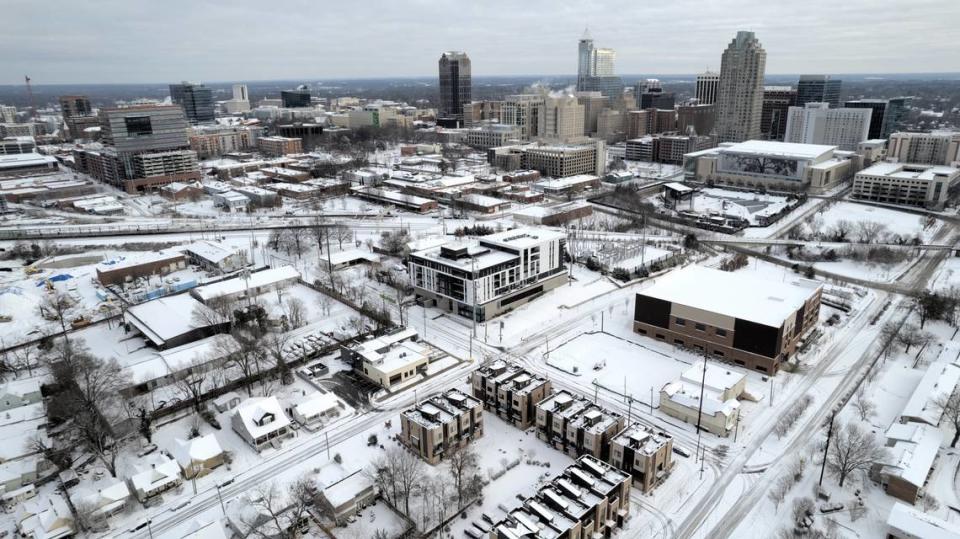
[
  {"x": 700, "y": 327},
  {"x": 641, "y": 331},
  {"x": 721, "y": 332},
  {"x": 718, "y": 353},
  {"x": 678, "y": 342},
  {"x": 681, "y": 322},
  {"x": 661, "y": 337},
  {"x": 761, "y": 368},
  {"x": 138, "y": 126},
  {"x": 739, "y": 362}
]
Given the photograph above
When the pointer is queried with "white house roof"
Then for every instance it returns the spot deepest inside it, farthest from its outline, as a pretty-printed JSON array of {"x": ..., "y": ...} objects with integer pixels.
[
  {"x": 341, "y": 257},
  {"x": 20, "y": 388},
  {"x": 688, "y": 396},
  {"x": 317, "y": 403},
  {"x": 911, "y": 522},
  {"x": 738, "y": 295},
  {"x": 254, "y": 413},
  {"x": 912, "y": 459},
  {"x": 163, "y": 471},
  {"x": 210, "y": 251},
  {"x": 718, "y": 378},
  {"x": 347, "y": 488},
  {"x": 238, "y": 285},
  {"x": 186, "y": 452}
]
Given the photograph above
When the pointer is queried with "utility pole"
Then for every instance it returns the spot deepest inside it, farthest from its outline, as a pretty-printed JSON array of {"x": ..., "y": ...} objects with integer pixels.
[
  {"x": 736, "y": 428},
  {"x": 326, "y": 436},
  {"x": 826, "y": 447},
  {"x": 630, "y": 411},
  {"x": 651, "y": 400},
  {"x": 703, "y": 382},
  {"x": 771, "y": 391},
  {"x": 473, "y": 311},
  {"x": 326, "y": 234}
]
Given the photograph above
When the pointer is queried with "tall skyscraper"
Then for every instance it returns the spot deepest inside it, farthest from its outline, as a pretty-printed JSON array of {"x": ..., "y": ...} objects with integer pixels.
[
  {"x": 818, "y": 89},
  {"x": 894, "y": 115},
  {"x": 240, "y": 102},
  {"x": 707, "y": 84},
  {"x": 196, "y": 100},
  {"x": 817, "y": 123},
  {"x": 240, "y": 92},
  {"x": 455, "y": 86},
  {"x": 596, "y": 71},
  {"x": 777, "y": 100},
  {"x": 740, "y": 93},
  {"x": 296, "y": 98},
  {"x": 649, "y": 94}
]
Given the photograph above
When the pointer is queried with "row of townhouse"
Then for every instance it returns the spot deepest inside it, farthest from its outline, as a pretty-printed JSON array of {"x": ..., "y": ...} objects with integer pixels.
[
  {"x": 510, "y": 391},
  {"x": 441, "y": 424}
]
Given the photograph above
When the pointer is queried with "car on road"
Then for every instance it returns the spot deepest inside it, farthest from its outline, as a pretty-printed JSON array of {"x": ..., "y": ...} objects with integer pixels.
[
  {"x": 827, "y": 508},
  {"x": 681, "y": 451}
]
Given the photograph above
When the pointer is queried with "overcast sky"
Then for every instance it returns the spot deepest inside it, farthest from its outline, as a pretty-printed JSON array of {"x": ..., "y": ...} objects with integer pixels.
[{"x": 91, "y": 41}]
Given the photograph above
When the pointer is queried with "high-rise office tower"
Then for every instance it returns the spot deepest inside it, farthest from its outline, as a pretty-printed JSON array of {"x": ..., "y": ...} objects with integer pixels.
[
  {"x": 526, "y": 111},
  {"x": 596, "y": 70},
  {"x": 240, "y": 102},
  {"x": 894, "y": 115},
  {"x": 817, "y": 123},
  {"x": 455, "y": 86},
  {"x": 593, "y": 103},
  {"x": 296, "y": 98},
  {"x": 75, "y": 105},
  {"x": 196, "y": 100},
  {"x": 707, "y": 84},
  {"x": 878, "y": 109},
  {"x": 649, "y": 94},
  {"x": 777, "y": 101},
  {"x": 818, "y": 89},
  {"x": 740, "y": 93}
]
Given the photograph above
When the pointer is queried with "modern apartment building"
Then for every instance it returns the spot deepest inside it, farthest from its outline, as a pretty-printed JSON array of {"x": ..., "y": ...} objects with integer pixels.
[
  {"x": 492, "y": 275},
  {"x": 936, "y": 148},
  {"x": 280, "y": 146},
  {"x": 777, "y": 101},
  {"x": 924, "y": 186},
  {"x": 773, "y": 165},
  {"x": 590, "y": 499},
  {"x": 196, "y": 100},
  {"x": 435, "y": 427},
  {"x": 456, "y": 87},
  {"x": 510, "y": 391},
  {"x": 707, "y": 85},
  {"x": 740, "y": 93},
  {"x": 645, "y": 454},
  {"x": 174, "y": 165},
  {"x": 818, "y": 89},
  {"x": 729, "y": 316},
  {"x": 817, "y": 123},
  {"x": 77, "y": 115},
  {"x": 210, "y": 141},
  {"x": 669, "y": 149},
  {"x": 576, "y": 426}
]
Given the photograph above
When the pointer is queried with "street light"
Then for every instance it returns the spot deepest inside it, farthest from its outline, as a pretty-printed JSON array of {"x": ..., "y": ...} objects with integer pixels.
[{"x": 219, "y": 497}]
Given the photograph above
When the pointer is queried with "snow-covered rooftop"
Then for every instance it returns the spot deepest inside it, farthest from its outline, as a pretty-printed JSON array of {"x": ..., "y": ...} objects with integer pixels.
[
  {"x": 733, "y": 294},
  {"x": 238, "y": 285},
  {"x": 165, "y": 318},
  {"x": 162, "y": 471},
  {"x": 317, "y": 403},
  {"x": 255, "y": 414},
  {"x": 688, "y": 396},
  {"x": 780, "y": 149},
  {"x": 199, "y": 449},
  {"x": 940, "y": 380},
  {"x": 717, "y": 378},
  {"x": 911, "y": 522},
  {"x": 912, "y": 458},
  {"x": 348, "y": 488}
]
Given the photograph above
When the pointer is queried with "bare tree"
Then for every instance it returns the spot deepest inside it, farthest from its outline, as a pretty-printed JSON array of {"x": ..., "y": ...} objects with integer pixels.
[
  {"x": 276, "y": 346},
  {"x": 325, "y": 303},
  {"x": 909, "y": 336},
  {"x": 398, "y": 473},
  {"x": 863, "y": 405},
  {"x": 278, "y": 512},
  {"x": 215, "y": 311},
  {"x": 949, "y": 406},
  {"x": 194, "y": 384},
  {"x": 853, "y": 449},
  {"x": 241, "y": 352},
  {"x": 342, "y": 233},
  {"x": 888, "y": 336},
  {"x": 870, "y": 231},
  {"x": 55, "y": 306},
  {"x": 357, "y": 323},
  {"x": 779, "y": 490},
  {"x": 26, "y": 358},
  {"x": 296, "y": 312},
  {"x": 464, "y": 464}
]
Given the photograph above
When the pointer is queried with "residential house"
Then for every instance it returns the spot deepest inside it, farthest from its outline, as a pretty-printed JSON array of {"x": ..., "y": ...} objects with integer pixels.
[
  {"x": 198, "y": 456},
  {"x": 162, "y": 475},
  {"x": 260, "y": 421},
  {"x": 645, "y": 454}
]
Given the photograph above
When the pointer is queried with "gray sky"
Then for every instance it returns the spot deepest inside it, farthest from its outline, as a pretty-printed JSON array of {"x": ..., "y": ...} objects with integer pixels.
[{"x": 91, "y": 41}]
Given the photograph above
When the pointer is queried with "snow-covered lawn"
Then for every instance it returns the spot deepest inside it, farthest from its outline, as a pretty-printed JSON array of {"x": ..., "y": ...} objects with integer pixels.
[{"x": 905, "y": 224}]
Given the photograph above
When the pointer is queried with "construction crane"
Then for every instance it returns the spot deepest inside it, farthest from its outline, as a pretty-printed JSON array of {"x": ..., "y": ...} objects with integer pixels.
[{"x": 33, "y": 105}]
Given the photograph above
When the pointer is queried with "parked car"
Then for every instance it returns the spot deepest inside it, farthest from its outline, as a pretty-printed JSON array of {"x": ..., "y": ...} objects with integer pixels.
[
  {"x": 208, "y": 416},
  {"x": 147, "y": 449},
  {"x": 681, "y": 451},
  {"x": 827, "y": 508}
]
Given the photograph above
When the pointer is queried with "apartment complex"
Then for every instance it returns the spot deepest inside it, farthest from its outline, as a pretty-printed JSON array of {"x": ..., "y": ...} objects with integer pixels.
[
  {"x": 77, "y": 115},
  {"x": 645, "y": 454},
  {"x": 588, "y": 499},
  {"x": 817, "y": 123},
  {"x": 435, "y": 427},
  {"x": 774, "y": 165},
  {"x": 492, "y": 275},
  {"x": 576, "y": 426},
  {"x": 731, "y": 317},
  {"x": 510, "y": 391},
  {"x": 924, "y": 186},
  {"x": 936, "y": 148},
  {"x": 740, "y": 92},
  {"x": 280, "y": 146}
]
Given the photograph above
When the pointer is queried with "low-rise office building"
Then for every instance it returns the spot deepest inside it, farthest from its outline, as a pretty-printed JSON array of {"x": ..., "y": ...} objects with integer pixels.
[
  {"x": 553, "y": 160},
  {"x": 435, "y": 427},
  {"x": 577, "y": 426},
  {"x": 924, "y": 186},
  {"x": 569, "y": 185},
  {"x": 732, "y": 317},
  {"x": 394, "y": 198},
  {"x": 484, "y": 278},
  {"x": 280, "y": 146},
  {"x": 645, "y": 454},
  {"x": 510, "y": 391},
  {"x": 151, "y": 264},
  {"x": 391, "y": 359},
  {"x": 714, "y": 405}
]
